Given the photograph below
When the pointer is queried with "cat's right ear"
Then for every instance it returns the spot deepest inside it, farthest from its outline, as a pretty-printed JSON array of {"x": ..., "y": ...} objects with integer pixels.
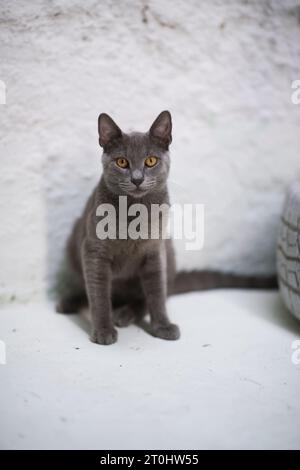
[
  {"x": 108, "y": 130},
  {"x": 161, "y": 129}
]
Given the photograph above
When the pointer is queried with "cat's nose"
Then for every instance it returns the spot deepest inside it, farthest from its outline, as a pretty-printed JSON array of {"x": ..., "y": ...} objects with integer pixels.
[{"x": 137, "y": 177}]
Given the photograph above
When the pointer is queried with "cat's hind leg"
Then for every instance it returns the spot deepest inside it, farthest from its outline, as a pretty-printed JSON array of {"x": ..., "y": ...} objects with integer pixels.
[
  {"x": 70, "y": 290},
  {"x": 71, "y": 304},
  {"x": 127, "y": 314}
]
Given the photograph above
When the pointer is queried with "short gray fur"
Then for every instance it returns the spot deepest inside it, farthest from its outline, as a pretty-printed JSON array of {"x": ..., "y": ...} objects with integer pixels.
[{"x": 122, "y": 280}]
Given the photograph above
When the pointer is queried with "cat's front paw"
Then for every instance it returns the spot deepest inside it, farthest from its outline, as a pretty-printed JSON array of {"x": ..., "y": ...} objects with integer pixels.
[
  {"x": 107, "y": 335},
  {"x": 169, "y": 331}
]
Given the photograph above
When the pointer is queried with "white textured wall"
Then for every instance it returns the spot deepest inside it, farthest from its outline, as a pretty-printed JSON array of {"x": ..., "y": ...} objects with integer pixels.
[{"x": 224, "y": 69}]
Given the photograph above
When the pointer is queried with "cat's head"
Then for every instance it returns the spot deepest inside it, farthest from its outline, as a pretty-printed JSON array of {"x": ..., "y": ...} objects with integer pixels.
[{"x": 136, "y": 163}]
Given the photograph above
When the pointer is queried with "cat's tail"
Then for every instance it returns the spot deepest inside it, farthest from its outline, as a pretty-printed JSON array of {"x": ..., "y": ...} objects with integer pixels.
[{"x": 190, "y": 281}]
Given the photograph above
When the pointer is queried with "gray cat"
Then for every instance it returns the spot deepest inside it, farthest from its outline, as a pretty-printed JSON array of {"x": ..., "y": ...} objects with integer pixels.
[{"x": 123, "y": 279}]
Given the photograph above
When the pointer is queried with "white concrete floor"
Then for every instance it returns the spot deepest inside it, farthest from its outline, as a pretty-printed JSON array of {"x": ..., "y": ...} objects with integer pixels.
[{"x": 229, "y": 382}]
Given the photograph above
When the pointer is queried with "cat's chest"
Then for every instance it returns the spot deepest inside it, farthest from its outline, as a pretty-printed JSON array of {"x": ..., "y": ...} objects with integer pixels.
[{"x": 128, "y": 257}]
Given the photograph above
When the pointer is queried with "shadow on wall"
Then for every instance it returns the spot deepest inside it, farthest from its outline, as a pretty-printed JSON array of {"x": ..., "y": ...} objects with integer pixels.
[{"x": 67, "y": 187}]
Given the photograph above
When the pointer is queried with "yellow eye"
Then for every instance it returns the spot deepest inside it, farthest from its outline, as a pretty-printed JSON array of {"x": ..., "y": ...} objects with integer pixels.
[
  {"x": 122, "y": 162},
  {"x": 150, "y": 161}
]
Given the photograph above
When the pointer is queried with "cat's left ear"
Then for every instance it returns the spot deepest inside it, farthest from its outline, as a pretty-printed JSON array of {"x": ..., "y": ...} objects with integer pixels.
[
  {"x": 108, "y": 130},
  {"x": 161, "y": 129}
]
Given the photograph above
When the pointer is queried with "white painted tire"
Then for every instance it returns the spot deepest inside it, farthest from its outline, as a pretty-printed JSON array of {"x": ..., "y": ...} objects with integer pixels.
[{"x": 288, "y": 251}]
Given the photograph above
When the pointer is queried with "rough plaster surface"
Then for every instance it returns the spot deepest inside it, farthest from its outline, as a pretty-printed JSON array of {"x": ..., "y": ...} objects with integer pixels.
[
  {"x": 224, "y": 69},
  {"x": 230, "y": 382}
]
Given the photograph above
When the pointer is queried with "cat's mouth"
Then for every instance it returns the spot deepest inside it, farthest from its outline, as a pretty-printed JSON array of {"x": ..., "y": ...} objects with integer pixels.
[{"x": 138, "y": 192}]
